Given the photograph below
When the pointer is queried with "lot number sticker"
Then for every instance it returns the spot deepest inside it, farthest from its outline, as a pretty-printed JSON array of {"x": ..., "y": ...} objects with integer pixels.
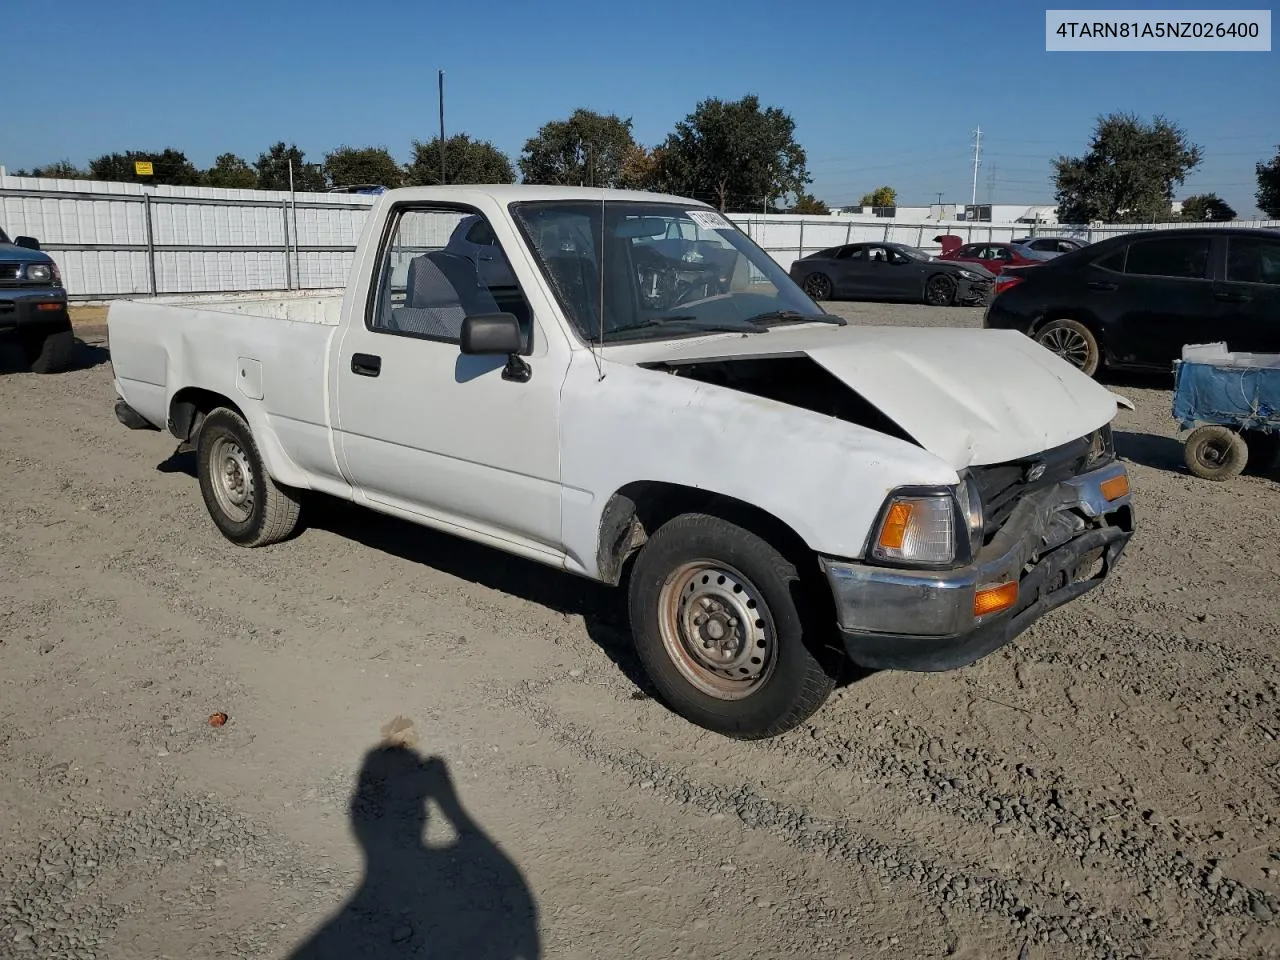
[{"x": 709, "y": 220}]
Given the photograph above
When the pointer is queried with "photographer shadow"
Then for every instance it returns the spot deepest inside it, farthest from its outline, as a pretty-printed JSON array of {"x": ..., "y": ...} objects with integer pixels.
[{"x": 464, "y": 898}]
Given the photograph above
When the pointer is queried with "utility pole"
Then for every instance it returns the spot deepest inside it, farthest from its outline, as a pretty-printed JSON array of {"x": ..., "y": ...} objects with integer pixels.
[
  {"x": 442, "y": 128},
  {"x": 977, "y": 162}
]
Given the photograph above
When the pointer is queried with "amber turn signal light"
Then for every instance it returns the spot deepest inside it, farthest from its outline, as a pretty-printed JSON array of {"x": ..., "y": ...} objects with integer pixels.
[
  {"x": 1115, "y": 488},
  {"x": 894, "y": 531},
  {"x": 994, "y": 599}
]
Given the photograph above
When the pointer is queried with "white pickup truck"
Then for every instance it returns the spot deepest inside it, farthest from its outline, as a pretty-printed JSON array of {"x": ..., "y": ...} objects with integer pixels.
[{"x": 624, "y": 386}]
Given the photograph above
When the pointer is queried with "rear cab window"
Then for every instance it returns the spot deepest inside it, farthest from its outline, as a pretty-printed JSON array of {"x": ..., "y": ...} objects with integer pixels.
[
  {"x": 1253, "y": 260},
  {"x": 1185, "y": 258}
]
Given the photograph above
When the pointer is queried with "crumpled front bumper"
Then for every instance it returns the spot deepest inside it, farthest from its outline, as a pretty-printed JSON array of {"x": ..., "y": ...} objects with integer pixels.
[{"x": 1057, "y": 544}]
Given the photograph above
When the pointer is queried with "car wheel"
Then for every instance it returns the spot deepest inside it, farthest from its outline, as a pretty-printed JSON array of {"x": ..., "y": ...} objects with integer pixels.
[
  {"x": 54, "y": 353},
  {"x": 1073, "y": 342},
  {"x": 246, "y": 504},
  {"x": 724, "y": 631},
  {"x": 817, "y": 286},
  {"x": 940, "y": 290},
  {"x": 1214, "y": 452}
]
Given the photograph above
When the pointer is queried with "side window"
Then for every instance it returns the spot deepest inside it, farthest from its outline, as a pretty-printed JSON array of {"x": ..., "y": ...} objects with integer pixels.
[
  {"x": 1253, "y": 260},
  {"x": 877, "y": 255},
  {"x": 1114, "y": 262},
  {"x": 429, "y": 281},
  {"x": 850, "y": 253},
  {"x": 1001, "y": 253},
  {"x": 974, "y": 250},
  {"x": 1184, "y": 257}
]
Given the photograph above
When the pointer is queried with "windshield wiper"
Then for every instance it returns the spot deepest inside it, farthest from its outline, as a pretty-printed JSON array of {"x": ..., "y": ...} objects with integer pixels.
[
  {"x": 692, "y": 322},
  {"x": 793, "y": 316}
]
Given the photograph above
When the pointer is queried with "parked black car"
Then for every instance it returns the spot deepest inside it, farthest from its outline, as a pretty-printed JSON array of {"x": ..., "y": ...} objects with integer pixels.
[
  {"x": 33, "y": 305},
  {"x": 889, "y": 271},
  {"x": 1136, "y": 299}
]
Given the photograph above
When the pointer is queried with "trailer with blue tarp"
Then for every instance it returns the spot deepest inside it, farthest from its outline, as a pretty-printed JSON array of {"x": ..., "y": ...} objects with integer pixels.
[{"x": 1231, "y": 404}]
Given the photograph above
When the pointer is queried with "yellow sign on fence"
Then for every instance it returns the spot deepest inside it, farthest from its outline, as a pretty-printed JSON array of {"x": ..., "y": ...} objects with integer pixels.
[{"x": 143, "y": 168}]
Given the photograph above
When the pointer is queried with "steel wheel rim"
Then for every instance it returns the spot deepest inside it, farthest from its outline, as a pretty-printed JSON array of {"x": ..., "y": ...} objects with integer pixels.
[
  {"x": 1069, "y": 344},
  {"x": 232, "y": 479},
  {"x": 939, "y": 290},
  {"x": 817, "y": 287},
  {"x": 716, "y": 629},
  {"x": 1213, "y": 452}
]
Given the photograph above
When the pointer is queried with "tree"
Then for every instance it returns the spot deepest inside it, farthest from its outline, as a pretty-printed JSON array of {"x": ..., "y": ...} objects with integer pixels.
[
  {"x": 1129, "y": 173},
  {"x": 1268, "y": 195},
  {"x": 589, "y": 148},
  {"x": 1206, "y": 206},
  {"x": 349, "y": 166},
  {"x": 168, "y": 166},
  {"x": 880, "y": 197},
  {"x": 273, "y": 169},
  {"x": 808, "y": 203},
  {"x": 58, "y": 170},
  {"x": 733, "y": 152},
  {"x": 466, "y": 161},
  {"x": 231, "y": 173},
  {"x": 641, "y": 169}
]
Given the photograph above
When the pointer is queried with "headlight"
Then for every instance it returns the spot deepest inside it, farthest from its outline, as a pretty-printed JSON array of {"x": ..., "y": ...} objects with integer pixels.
[
  {"x": 969, "y": 275},
  {"x": 971, "y": 507},
  {"x": 39, "y": 272},
  {"x": 918, "y": 528},
  {"x": 1101, "y": 445}
]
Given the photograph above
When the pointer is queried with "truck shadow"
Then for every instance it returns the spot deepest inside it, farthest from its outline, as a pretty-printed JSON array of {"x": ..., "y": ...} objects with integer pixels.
[
  {"x": 1150, "y": 450},
  {"x": 603, "y": 609},
  {"x": 418, "y": 896},
  {"x": 13, "y": 358}
]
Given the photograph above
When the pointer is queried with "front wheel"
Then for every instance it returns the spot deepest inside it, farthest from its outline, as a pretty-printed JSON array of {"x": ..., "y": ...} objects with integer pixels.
[
  {"x": 818, "y": 286},
  {"x": 249, "y": 507},
  {"x": 724, "y": 631},
  {"x": 53, "y": 353},
  {"x": 1073, "y": 342},
  {"x": 940, "y": 291}
]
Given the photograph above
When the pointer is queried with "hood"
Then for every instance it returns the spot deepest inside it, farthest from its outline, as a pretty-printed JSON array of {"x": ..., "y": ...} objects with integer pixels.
[
  {"x": 12, "y": 253},
  {"x": 970, "y": 397},
  {"x": 972, "y": 266}
]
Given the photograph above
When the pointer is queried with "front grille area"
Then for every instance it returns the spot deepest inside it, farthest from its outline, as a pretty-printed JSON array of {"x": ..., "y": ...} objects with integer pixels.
[
  {"x": 9, "y": 272},
  {"x": 1002, "y": 485}
]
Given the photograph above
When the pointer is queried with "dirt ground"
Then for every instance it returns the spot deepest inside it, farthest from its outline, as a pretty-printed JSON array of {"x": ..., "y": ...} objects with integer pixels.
[{"x": 1105, "y": 786}]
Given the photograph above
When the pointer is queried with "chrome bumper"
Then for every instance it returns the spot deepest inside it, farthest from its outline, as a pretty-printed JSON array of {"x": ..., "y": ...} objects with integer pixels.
[{"x": 924, "y": 619}]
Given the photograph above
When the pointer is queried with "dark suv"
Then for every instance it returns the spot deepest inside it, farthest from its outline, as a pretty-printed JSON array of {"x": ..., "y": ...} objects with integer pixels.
[
  {"x": 33, "y": 305},
  {"x": 1136, "y": 299}
]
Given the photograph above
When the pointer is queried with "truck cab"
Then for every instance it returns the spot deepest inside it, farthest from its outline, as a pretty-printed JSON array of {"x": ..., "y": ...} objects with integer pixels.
[{"x": 777, "y": 491}]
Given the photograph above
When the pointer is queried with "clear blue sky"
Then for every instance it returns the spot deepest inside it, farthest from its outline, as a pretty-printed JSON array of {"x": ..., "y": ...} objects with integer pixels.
[{"x": 880, "y": 92}]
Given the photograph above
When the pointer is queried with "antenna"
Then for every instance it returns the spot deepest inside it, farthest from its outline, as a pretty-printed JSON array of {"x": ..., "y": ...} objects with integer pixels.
[{"x": 977, "y": 162}]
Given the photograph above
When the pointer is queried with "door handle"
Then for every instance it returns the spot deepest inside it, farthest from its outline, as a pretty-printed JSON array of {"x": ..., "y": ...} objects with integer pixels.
[
  {"x": 366, "y": 364},
  {"x": 1100, "y": 285},
  {"x": 1232, "y": 297}
]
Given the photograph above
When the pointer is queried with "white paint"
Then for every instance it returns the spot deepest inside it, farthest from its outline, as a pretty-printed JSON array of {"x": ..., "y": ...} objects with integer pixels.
[{"x": 442, "y": 440}]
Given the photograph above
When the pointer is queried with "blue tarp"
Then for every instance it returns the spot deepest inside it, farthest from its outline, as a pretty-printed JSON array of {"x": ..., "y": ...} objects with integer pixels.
[{"x": 1241, "y": 396}]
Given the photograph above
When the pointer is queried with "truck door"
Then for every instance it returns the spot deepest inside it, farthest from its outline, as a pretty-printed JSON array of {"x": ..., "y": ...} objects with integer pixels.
[{"x": 426, "y": 429}]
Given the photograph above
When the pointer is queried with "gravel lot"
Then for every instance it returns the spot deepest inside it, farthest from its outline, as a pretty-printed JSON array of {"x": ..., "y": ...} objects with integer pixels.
[{"x": 1106, "y": 786}]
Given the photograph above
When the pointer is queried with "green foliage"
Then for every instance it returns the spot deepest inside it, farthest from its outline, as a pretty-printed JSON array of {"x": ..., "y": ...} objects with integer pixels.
[
  {"x": 1128, "y": 174},
  {"x": 230, "y": 173},
  {"x": 808, "y": 203},
  {"x": 58, "y": 170},
  {"x": 169, "y": 166},
  {"x": 273, "y": 170},
  {"x": 588, "y": 149},
  {"x": 353, "y": 166},
  {"x": 880, "y": 197},
  {"x": 466, "y": 161},
  {"x": 641, "y": 169},
  {"x": 734, "y": 153},
  {"x": 1206, "y": 206},
  {"x": 1268, "y": 195}
]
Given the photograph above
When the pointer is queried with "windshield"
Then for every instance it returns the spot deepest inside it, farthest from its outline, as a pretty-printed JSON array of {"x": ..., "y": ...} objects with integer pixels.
[
  {"x": 665, "y": 270},
  {"x": 4, "y": 237}
]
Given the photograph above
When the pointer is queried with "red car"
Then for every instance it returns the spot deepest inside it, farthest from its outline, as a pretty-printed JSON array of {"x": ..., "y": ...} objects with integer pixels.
[{"x": 996, "y": 256}]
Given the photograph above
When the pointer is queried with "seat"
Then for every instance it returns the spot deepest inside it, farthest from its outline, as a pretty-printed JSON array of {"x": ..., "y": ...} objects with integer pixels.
[
  {"x": 433, "y": 306},
  {"x": 463, "y": 275}
]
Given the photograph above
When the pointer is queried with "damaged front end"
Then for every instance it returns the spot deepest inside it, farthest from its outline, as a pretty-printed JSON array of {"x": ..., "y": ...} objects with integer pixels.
[{"x": 1053, "y": 528}]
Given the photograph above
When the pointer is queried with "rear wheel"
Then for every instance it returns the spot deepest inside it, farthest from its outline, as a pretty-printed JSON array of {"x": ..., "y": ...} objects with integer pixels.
[
  {"x": 52, "y": 354},
  {"x": 1073, "y": 342},
  {"x": 940, "y": 291},
  {"x": 723, "y": 628},
  {"x": 249, "y": 507},
  {"x": 818, "y": 286},
  {"x": 1214, "y": 452}
]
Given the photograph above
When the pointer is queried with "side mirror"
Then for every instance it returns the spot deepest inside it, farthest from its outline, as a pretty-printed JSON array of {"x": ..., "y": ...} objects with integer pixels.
[
  {"x": 496, "y": 334},
  {"x": 31, "y": 243}
]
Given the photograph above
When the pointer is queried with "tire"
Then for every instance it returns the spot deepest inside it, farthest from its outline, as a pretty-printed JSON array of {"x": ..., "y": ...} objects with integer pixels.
[
  {"x": 939, "y": 290},
  {"x": 54, "y": 353},
  {"x": 1263, "y": 448},
  {"x": 1214, "y": 452},
  {"x": 1074, "y": 343},
  {"x": 771, "y": 678},
  {"x": 817, "y": 286},
  {"x": 245, "y": 503}
]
